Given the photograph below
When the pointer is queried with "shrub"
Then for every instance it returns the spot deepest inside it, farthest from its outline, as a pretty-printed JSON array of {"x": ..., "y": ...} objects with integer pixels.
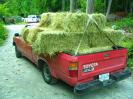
[
  {"x": 128, "y": 43},
  {"x": 126, "y": 24},
  {"x": 130, "y": 63},
  {"x": 3, "y": 34}
]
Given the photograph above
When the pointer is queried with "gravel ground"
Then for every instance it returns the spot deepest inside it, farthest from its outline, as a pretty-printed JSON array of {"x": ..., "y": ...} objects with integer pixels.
[{"x": 19, "y": 79}]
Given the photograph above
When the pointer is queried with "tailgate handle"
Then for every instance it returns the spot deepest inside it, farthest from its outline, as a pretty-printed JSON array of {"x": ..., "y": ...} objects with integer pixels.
[{"x": 106, "y": 55}]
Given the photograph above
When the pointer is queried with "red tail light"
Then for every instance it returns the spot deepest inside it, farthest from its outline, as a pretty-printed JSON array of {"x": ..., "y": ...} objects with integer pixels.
[{"x": 73, "y": 69}]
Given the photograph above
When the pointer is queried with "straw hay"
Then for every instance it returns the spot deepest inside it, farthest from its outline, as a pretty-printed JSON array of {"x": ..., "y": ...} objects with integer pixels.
[
  {"x": 33, "y": 35},
  {"x": 25, "y": 33},
  {"x": 45, "y": 19},
  {"x": 57, "y": 41},
  {"x": 62, "y": 32}
]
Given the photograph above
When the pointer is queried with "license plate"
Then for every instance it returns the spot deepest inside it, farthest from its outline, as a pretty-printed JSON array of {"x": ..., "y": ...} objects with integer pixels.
[{"x": 104, "y": 77}]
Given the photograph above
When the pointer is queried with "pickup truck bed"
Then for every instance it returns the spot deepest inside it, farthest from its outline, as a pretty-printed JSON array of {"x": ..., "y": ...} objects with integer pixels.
[{"x": 83, "y": 72}]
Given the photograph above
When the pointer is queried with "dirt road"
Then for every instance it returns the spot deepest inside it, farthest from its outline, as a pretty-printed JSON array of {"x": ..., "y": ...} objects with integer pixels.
[{"x": 19, "y": 79}]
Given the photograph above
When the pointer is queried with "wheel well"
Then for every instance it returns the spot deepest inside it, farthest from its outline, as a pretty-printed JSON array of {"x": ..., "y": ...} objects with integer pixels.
[
  {"x": 14, "y": 44},
  {"x": 41, "y": 63}
]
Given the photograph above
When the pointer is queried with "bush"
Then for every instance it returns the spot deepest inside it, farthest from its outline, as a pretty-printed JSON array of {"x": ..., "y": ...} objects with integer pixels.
[
  {"x": 3, "y": 34},
  {"x": 4, "y": 10},
  {"x": 128, "y": 43},
  {"x": 130, "y": 63},
  {"x": 126, "y": 24}
]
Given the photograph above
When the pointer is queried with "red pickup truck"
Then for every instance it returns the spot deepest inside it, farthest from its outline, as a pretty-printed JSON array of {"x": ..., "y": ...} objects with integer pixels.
[{"x": 83, "y": 72}]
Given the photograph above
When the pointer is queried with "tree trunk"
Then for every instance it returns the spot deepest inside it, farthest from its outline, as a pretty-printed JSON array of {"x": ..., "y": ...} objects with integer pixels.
[
  {"x": 72, "y": 5},
  {"x": 105, "y": 7},
  {"x": 109, "y": 7},
  {"x": 90, "y": 6},
  {"x": 131, "y": 7},
  {"x": 63, "y": 5},
  {"x": 126, "y": 6}
]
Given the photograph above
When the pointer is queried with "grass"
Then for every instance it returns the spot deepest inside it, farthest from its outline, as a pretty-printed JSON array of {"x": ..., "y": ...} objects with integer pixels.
[
  {"x": 3, "y": 34},
  {"x": 21, "y": 23}
]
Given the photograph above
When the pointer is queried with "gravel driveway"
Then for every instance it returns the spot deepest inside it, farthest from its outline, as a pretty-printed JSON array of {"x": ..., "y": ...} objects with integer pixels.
[{"x": 19, "y": 79}]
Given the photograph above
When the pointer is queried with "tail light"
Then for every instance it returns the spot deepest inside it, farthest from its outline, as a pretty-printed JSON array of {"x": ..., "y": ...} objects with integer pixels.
[{"x": 73, "y": 69}]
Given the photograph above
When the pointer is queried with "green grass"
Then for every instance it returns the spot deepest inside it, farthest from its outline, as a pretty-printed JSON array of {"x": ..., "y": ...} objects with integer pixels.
[
  {"x": 21, "y": 23},
  {"x": 3, "y": 34}
]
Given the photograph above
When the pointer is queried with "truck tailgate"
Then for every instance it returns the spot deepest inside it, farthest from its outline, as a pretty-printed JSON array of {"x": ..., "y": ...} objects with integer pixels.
[{"x": 99, "y": 63}]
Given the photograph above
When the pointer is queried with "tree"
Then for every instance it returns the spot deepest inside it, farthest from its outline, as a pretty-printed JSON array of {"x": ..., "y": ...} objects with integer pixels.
[
  {"x": 4, "y": 10},
  {"x": 131, "y": 7},
  {"x": 72, "y": 5},
  {"x": 63, "y": 5},
  {"x": 90, "y": 6},
  {"x": 109, "y": 7}
]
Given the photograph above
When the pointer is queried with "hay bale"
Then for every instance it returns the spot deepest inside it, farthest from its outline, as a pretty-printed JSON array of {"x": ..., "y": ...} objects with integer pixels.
[
  {"x": 52, "y": 42},
  {"x": 89, "y": 50},
  {"x": 74, "y": 22},
  {"x": 116, "y": 36},
  {"x": 100, "y": 19},
  {"x": 57, "y": 21},
  {"x": 24, "y": 34},
  {"x": 62, "y": 32},
  {"x": 31, "y": 37},
  {"x": 71, "y": 22},
  {"x": 45, "y": 19}
]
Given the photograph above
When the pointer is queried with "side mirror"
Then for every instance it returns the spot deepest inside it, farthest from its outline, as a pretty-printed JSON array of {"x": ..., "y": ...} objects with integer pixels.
[
  {"x": 16, "y": 34},
  {"x": 27, "y": 25}
]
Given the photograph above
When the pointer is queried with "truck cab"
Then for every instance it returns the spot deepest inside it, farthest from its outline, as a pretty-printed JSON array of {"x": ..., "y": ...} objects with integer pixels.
[{"x": 32, "y": 19}]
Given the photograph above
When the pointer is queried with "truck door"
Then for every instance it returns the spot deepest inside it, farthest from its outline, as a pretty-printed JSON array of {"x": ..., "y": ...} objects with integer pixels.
[{"x": 24, "y": 48}]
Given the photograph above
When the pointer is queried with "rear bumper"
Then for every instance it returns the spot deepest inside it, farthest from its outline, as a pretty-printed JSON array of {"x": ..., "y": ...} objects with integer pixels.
[{"x": 96, "y": 84}]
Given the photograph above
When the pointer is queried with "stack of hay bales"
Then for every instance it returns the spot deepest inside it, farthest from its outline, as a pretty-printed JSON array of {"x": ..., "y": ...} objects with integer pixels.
[{"x": 62, "y": 32}]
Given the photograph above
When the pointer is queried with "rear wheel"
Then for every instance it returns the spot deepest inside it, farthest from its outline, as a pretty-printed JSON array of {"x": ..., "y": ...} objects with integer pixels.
[
  {"x": 48, "y": 78},
  {"x": 18, "y": 53}
]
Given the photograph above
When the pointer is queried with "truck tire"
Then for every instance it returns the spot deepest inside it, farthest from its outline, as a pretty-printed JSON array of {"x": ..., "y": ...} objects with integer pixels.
[
  {"x": 48, "y": 78},
  {"x": 18, "y": 53}
]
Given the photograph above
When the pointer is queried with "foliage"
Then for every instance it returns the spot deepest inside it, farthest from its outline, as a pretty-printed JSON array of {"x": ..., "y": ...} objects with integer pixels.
[
  {"x": 4, "y": 10},
  {"x": 125, "y": 23},
  {"x": 130, "y": 63},
  {"x": 3, "y": 34},
  {"x": 82, "y": 5},
  {"x": 128, "y": 43},
  {"x": 99, "y": 6},
  {"x": 26, "y": 7}
]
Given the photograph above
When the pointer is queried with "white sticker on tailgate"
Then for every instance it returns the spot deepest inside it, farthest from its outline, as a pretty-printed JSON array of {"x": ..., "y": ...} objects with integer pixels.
[
  {"x": 89, "y": 67},
  {"x": 104, "y": 77}
]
